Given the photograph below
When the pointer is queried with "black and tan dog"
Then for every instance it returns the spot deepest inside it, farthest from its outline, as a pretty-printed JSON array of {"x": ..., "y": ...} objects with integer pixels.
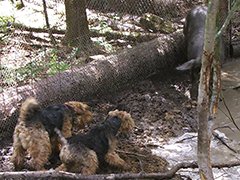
[
  {"x": 83, "y": 153},
  {"x": 34, "y": 133}
]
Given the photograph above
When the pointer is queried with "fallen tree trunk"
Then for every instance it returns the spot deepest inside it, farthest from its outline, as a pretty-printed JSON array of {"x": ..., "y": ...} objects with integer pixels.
[
  {"x": 96, "y": 78},
  {"x": 66, "y": 175}
]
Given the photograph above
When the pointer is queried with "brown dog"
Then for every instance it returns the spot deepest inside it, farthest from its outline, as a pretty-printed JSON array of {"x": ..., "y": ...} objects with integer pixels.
[
  {"x": 34, "y": 133},
  {"x": 83, "y": 153}
]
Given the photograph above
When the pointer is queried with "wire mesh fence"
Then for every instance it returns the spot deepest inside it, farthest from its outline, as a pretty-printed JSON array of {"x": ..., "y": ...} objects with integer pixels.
[
  {"x": 28, "y": 55},
  {"x": 27, "y": 52},
  {"x": 235, "y": 33}
]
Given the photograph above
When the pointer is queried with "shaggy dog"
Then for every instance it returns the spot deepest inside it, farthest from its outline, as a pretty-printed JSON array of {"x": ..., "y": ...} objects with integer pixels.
[
  {"x": 83, "y": 153},
  {"x": 34, "y": 133}
]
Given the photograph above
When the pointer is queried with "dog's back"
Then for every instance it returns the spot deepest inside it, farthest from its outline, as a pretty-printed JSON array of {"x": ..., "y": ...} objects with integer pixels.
[
  {"x": 98, "y": 137},
  {"x": 30, "y": 137},
  {"x": 85, "y": 152},
  {"x": 53, "y": 117},
  {"x": 50, "y": 117},
  {"x": 76, "y": 157}
]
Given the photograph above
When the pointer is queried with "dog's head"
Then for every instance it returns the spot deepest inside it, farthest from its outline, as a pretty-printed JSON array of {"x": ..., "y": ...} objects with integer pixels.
[
  {"x": 127, "y": 123},
  {"x": 82, "y": 112}
]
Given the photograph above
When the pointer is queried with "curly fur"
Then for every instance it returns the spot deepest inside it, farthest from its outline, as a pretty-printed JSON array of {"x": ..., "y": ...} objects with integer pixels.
[
  {"x": 84, "y": 116},
  {"x": 34, "y": 133},
  {"x": 30, "y": 137},
  {"x": 127, "y": 123},
  {"x": 77, "y": 158},
  {"x": 100, "y": 141}
]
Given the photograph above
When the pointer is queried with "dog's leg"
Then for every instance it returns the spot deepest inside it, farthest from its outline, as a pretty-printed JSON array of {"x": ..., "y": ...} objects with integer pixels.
[
  {"x": 18, "y": 149},
  {"x": 91, "y": 163},
  {"x": 40, "y": 151},
  {"x": 18, "y": 155},
  {"x": 62, "y": 167},
  {"x": 112, "y": 157}
]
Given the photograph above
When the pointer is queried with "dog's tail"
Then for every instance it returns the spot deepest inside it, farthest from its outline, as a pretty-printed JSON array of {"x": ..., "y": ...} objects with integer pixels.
[
  {"x": 127, "y": 123},
  {"x": 63, "y": 140},
  {"x": 29, "y": 107}
]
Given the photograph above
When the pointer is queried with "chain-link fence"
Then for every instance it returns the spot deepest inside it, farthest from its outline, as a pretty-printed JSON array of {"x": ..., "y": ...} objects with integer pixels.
[
  {"x": 36, "y": 59},
  {"x": 28, "y": 54},
  {"x": 234, "y": 33}
]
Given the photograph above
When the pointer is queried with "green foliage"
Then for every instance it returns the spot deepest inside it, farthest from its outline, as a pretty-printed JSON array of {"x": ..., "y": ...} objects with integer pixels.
[
  {"x": 5, "y": 25},
  {"x": 101, "y": 41},
  {"x": 54, "y": 65},
  {"x": 19, "y": 5},
  {"x": 12, "y": 76},
  {"x": 102, "y": 27},
  {"x": 33, "y": 70}
]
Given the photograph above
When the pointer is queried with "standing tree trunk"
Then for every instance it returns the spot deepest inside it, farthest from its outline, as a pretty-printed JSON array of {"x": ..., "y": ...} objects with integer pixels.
[
  {"x": 53, "y": 41},
  {"x": 205, "y": 118},
  {"x": 77, "y": 32}
]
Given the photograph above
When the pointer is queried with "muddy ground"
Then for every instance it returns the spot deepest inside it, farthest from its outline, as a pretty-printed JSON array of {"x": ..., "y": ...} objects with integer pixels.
[
  {"x": 159, "y": 105},
  {"x": 160, "y": 110}
]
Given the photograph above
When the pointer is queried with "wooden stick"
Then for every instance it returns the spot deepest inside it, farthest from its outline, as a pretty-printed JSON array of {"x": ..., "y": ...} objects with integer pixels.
[{"x": 67, "y": 175}]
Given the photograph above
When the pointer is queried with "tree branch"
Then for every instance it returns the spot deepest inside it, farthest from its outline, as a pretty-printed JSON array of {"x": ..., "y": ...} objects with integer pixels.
[
  {"x": 47, "y": 22},
  {"x": 131, "y": 36},
  {"x": 216, "y": 135},
  {"x": 230, "y": 117},
  {"x": 235, "y": 7},
  {"x": 66, "y": 175}
]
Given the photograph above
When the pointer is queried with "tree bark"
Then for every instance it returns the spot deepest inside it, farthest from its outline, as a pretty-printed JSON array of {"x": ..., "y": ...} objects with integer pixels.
[
  {"x": 205, "y": 120},
  {"x": 105, "y": 76},
  {"x": 77, "y": 32},
  {"x": 66, "y": 175},
  {"x": 53, "y": 41}
]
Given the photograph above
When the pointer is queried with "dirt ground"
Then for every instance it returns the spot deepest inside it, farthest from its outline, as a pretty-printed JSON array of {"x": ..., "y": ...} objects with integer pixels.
[
  {"x": 160, "y": 110},
  {"x": 159, "y": 105}
]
